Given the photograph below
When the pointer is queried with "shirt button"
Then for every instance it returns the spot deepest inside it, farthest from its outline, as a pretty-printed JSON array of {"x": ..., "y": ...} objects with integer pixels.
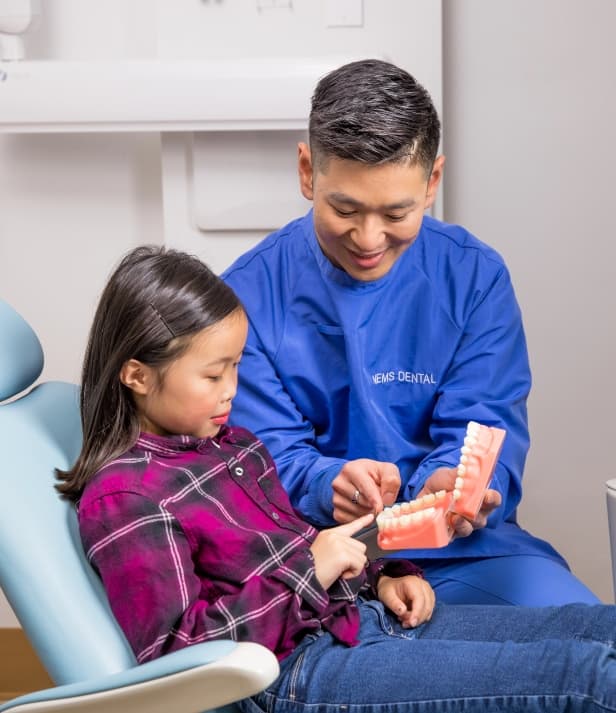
[
  {"x": 276, "y": 516},
  {"x": 239, "y": 470}
]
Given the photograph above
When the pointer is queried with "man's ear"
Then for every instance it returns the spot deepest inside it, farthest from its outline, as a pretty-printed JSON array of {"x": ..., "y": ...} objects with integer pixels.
[
  {"x": 434, "y": 180},
  {"x": 136, "y": 376},
  {"x": 304, "y": 167}
]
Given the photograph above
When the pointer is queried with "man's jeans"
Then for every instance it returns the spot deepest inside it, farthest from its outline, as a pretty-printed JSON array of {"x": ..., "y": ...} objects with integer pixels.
[{"x": 467, "y": 658}]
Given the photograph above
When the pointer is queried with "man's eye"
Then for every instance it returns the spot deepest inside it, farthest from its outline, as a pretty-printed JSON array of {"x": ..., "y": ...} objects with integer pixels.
[{"x": 344, "y": 213}]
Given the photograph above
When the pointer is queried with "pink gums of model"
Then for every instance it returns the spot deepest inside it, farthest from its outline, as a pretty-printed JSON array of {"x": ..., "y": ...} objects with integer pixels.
[{"x": 426, "y": 521}]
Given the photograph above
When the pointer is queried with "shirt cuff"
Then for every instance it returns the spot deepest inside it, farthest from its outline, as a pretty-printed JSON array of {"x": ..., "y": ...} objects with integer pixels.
[{"x": 391, "y": 568}]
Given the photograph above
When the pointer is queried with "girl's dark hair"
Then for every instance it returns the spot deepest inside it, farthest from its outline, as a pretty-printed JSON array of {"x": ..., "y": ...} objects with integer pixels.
[
  {"x": 373, "y": 112},
  {"x": 155, "y": 301}
]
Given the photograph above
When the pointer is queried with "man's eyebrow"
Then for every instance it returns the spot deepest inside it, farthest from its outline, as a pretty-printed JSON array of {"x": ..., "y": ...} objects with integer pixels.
[{"x": 343, "y": 198}]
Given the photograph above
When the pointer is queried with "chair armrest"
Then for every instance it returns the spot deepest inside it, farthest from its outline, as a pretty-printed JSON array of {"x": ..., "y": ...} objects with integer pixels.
[{"x": 187, "y": 681}]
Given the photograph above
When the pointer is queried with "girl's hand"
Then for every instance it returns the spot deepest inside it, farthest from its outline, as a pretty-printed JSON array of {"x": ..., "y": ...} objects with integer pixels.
[
  {"x": 411, "y": 598},
  {"x": 337, "y": 553}
]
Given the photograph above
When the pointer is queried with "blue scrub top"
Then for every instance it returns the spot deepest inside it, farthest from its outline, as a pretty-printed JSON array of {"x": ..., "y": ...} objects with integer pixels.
[{"x": 392, "y": 370}]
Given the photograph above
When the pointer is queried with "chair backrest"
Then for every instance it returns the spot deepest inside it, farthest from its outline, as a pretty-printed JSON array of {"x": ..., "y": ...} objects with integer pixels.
[{"x": 44, "y": 574}]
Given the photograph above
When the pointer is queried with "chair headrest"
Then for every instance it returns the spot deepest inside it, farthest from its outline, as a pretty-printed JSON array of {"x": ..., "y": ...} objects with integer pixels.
[{"x": 21, "y": 354}]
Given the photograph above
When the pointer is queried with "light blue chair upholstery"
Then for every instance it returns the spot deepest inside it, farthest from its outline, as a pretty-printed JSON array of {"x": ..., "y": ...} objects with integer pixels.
[
  {"x": 52, "y": 589},
  {"x": 610, "y": 494}
]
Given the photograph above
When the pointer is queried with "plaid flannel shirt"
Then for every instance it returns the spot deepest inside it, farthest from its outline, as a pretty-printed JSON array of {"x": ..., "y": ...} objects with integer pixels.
[{"x": 195, "y": 539}]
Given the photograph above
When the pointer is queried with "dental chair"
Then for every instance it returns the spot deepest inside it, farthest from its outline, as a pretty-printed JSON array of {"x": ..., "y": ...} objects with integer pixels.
[
  {"x": 56, "y": 595},
  {"x": 610, "y": 494}
]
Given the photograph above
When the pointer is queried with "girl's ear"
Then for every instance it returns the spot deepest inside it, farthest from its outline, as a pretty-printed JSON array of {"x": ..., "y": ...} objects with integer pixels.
[{"x": 136, "y": 376}]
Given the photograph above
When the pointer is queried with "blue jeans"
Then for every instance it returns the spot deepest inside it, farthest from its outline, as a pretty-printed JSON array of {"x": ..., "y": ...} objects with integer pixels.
[{"x": 468, "y": 658}]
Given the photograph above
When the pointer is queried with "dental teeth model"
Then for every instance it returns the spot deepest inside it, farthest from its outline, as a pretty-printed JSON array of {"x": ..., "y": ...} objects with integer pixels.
[{"x": 426, "y": 521}]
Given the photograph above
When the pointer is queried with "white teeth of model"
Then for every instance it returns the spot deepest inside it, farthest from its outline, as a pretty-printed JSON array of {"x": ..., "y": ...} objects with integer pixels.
[
  {"x": 459, "y": 483},
  {"x": 429, "y": 498},
  {"x": 456, "y": 494},
  {"x": 440, "y": 494},
  {"x": 405, "y": 507},
  {"x": 464, "y": 459},
  {"x": 381, "y": 518},
  {"x": 414, "y": 505},
  {"x": 395, "y": 509},
  {"x": 465, "y": 450},
  {"x": 473, "y": 427},
  {"x": 387, "y": 512},
  {"x": 405, "y": 520},
  {"x": 470, "y": 441},
  {"x": 418, "y": 516},
  {"x": 461, "y": 469},
  {"x": 429, "y": 512}
]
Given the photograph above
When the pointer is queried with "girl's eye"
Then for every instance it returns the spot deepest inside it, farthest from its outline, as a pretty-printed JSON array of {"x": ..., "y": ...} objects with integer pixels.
[
  {"x": 211, "y": 377},
  {"x": 395, "y": 218}
]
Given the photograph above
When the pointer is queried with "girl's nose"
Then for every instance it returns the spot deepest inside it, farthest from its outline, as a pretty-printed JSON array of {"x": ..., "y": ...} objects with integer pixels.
[{"x": 230, "y": 389}]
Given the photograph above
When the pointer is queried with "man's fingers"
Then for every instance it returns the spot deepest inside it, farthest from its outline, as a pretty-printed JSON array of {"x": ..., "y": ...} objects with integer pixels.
[
  {"x": 369, "y": 495},
  {"x": 491, "y": 500},
  {"x": 461, "y": 526},
  {"x": 390, "y": 485}
]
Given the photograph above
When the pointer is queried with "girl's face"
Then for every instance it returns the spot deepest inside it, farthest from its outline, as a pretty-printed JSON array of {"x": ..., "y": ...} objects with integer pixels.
[{"x": 194, "y": 398}]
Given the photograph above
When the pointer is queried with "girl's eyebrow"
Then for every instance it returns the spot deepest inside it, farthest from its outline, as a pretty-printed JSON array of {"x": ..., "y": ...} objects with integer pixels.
[{"x": 224, "y": 359}]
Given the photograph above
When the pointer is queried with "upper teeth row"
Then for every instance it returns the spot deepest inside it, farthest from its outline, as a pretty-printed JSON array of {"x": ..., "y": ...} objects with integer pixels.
[{"x": 471, "y": 439}]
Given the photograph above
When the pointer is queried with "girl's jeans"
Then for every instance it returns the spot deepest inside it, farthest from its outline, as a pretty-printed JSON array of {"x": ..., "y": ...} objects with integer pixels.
[{"x": 467, "y": 658}]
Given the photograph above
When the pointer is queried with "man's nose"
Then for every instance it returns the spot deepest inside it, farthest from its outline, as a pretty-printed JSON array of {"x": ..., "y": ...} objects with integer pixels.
[{"x": 369, "y": 235}]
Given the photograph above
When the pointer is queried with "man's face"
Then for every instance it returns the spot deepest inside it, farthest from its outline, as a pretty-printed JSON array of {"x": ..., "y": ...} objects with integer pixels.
[{"x": 365, "y": 217}]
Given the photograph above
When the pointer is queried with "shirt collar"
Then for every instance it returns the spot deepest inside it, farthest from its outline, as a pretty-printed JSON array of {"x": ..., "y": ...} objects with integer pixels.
[{"x": 180, "y": 443}]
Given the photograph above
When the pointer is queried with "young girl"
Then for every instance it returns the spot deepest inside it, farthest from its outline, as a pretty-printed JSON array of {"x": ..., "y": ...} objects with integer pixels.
[{"x": 194, "y": 538}]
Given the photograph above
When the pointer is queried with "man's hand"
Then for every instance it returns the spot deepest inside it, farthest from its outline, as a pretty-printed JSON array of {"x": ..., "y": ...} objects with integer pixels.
[
  {"x": 364, "y": 486},
  {"x": 444, "y": 479}
]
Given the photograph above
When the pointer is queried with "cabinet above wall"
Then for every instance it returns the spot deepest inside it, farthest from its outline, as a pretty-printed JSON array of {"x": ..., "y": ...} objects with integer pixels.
[{"x": 250, "y": 94}]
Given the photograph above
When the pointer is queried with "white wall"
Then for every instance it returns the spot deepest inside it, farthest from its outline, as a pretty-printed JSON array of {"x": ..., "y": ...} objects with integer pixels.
[
  {"x": 70, "y": 205},
  {"x": 530, "y": 135},
  {"x": 529, "y": 117},
  {"x": 289, "y": 31}
]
